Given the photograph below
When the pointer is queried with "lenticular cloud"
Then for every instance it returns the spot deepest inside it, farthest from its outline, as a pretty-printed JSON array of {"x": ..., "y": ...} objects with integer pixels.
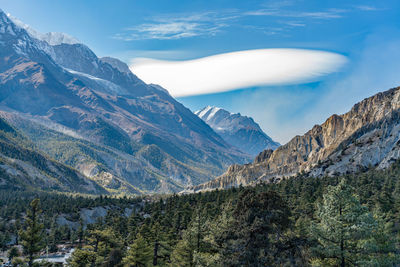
[{"x": 230, "y": 71}]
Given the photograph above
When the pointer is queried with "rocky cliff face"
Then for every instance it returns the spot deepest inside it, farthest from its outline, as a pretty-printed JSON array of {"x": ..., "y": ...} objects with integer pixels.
[
  {"x": 240, "y": 131},
  {"x": 366, "y": 136}
]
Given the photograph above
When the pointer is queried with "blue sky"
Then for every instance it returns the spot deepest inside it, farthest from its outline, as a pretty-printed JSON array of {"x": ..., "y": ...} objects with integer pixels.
[{"x": 366, "y": 32}]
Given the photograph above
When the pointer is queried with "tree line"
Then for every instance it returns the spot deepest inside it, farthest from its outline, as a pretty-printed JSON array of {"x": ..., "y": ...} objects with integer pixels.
[{"x": 350, "y": 220}]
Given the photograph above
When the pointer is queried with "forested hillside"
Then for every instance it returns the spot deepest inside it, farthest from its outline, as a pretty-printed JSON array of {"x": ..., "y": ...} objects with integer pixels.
[
  {"x": 21, "y": 166},
  {"x": 330, "y": 221}
]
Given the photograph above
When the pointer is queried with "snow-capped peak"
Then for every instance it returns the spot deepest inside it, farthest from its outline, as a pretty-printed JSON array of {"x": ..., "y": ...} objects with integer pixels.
[
  {"x": 237, "y": 130},
  {"x": 203, "y": 111},
  {"x": 207, "y": 113},
  {"x": 52, "y": 38},
  {"x": 57, "y": 38},
  {"x": 214, "y": 110}
]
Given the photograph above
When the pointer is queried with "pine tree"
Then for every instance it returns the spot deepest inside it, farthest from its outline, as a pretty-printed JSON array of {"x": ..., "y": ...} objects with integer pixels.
[
  {"x": 32, "y": 236},
  {"x": 80, "y": 232},
  {"x": 346, "y": 232},
  {"x": 54, "y": 237},
  {"x": 82, "y": 258},
  {"x": 161, "y": 247},
  {"x": 183, "y": 254},
  {"x": 102, "y": 242},
  {"x": 12, "y": 253},
  {"x": 139, "y": 253},
  {"x": 254, "y": 236}
]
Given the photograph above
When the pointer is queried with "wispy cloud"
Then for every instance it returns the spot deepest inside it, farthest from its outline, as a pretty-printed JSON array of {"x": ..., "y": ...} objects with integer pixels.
[
  {"x": 329, "y": 14},
  {"x": 368, "y": 8},
  {"x": 185, "y": 25},
  {"x": 294, "y": 23},
  {"x": 177, "y": 27}
]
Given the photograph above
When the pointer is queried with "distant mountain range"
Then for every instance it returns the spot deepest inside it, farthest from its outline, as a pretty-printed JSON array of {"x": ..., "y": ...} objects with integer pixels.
[
  {"x": 240, "y": 131},
  {"x": 368, "y": 136},
  {"x": 96, "y": 116}
]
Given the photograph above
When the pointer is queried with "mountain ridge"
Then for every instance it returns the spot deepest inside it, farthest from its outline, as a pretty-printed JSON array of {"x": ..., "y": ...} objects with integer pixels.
[
  {"x": 52, "y": 38},
  {"x": 240, "y": 131},
  {"x": 23, "y": 167},
  {"x": 366, "y": 136},
  {"x": 69, "y": 87}
]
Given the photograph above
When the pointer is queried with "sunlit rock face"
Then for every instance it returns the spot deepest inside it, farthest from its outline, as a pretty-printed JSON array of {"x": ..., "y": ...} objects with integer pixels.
[{"x": 366, "y": 136}]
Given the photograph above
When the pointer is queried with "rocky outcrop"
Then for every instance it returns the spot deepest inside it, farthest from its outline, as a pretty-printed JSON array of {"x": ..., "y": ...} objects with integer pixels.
[{"x": 366, "y": 136}]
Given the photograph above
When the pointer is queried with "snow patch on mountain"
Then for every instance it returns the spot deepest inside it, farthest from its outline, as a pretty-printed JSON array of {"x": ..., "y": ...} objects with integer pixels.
[
  {"x": 202, "y": 112},
  {"x": 237, "y": 130},
  {"x": 52, "y": 38},
  {"x": 107, "y": 86}
]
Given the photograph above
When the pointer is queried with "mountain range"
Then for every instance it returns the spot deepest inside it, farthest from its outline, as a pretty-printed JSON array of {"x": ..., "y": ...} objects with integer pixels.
[
  {"x": 240, "y": 131},
  {"x": 98, "y": 117},
  {"x": 73, "y": 122},
  {"x": 365, "y": 137}
]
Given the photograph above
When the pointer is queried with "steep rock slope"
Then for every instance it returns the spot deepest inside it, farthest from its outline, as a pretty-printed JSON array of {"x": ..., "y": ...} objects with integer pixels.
[
  {"x": 115, "y": 170},
  {"x": 240, "y": 131},
  {"x": 65, "y": 86},
  {"x": 366, "y": 136},
  {"x": 22, "y": 167}
]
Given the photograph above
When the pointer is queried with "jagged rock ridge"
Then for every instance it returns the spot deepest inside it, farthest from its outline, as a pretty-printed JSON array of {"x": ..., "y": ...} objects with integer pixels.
[{"x": 366, "y": 136}]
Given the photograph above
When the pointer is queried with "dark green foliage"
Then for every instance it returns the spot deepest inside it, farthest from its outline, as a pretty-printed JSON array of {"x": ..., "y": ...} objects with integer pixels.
[
  {"x": 347, "y": 234},
  {"x": 12, "y": 253},
  {"x": 82, "y": 258},
  {"x": 266, "y": 225},
  {"x": 32, "y": 235},
  {"x": 254, "y": 235}
]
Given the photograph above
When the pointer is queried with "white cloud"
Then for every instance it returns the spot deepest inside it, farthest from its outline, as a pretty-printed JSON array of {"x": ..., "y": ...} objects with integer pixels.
[
  {"x": 172, "y": 30},
  {"x": 230, "y": 71},
  {"x": 329, "y": 14},
  {"x": 368, "y": 8},
  {"x": 186, "y": 25},
  {"x": 177, "y": 26}
]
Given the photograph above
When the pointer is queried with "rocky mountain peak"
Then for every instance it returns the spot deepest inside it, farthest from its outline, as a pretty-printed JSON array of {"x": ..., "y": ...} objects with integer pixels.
[
  {"x": 52, "y": 38},
  {"x": 263, "y": 156},
  {"x": 7, "y": 26},
  {"x": 240, "y": 131},
  {"x": 116, "y": 63}
]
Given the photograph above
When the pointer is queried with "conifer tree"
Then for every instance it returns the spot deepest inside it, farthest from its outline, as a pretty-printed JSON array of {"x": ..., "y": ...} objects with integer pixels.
[
  {"x": 161, "y": 247},
  {"x": 32, "y": 236},
  {"x": 82, "y": 258},
  {"x": 347, "y": 233},
  {"x": 183, "y": 253},
  {"x": 253, "y": 238},
  {"x": 12, "y": 253},
  {"x": 102, "y": 242},
  {"x": 139, "y": 253}
]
